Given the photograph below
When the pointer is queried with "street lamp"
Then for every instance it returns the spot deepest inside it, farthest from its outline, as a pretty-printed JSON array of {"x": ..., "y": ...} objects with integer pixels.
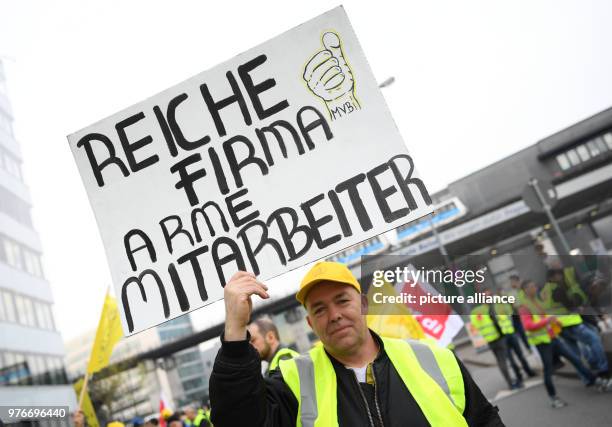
[{"x": 388, "y": 82}]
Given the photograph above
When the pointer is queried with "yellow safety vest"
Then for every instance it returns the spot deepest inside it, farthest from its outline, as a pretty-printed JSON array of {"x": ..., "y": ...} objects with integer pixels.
[
  {"x": 556, "y": 308},
  {"x": 430, "y": 373},
  {"x": 538, "y": 336},
  {"x": 503, "y": 313},
  {"x": 481, "y": 319},
  {"x": 569, "y": 273},
  {"x": 521, "y": 297},
  {"x": 282, "y": 353}
]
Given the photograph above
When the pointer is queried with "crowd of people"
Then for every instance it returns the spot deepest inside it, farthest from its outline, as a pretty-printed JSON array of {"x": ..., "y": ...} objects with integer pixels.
[
  {"x": 189, "y": 416},
  {"x": 356, "y": 377},
  {"x": 559, "y": 317}
]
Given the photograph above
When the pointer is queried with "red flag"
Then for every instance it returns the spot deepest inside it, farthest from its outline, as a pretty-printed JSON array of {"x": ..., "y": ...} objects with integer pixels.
[{"x": 164, "y": 410}]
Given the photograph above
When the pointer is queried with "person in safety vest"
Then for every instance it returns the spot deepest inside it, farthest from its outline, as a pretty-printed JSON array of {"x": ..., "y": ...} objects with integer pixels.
[
  {"x": 519, "y": 294},
  {"x": 265, "y": 339},
  {"x": 195, "y": 418},
  {"x": 494, "y": 322},
  {"x": 561, "y": 296},
  {"x": 354, "y": 378},
  {"x": 542, "y": 330}
]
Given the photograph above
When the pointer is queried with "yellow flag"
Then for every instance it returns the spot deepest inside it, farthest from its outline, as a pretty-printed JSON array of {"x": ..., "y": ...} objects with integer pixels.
[
  {"x": 86, "y": 406},
  {"x": 393, "y": 320},
  {"x": 108, "y": 334}
]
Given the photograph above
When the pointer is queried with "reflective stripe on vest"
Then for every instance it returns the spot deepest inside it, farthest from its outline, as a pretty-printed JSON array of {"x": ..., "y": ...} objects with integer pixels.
[
  {"x": 430, "y": 373},
  {"x": 282, "y": 353}
]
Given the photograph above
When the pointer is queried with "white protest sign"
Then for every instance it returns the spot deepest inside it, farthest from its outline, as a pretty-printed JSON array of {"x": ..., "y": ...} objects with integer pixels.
[{"x": 281, "y": 156}]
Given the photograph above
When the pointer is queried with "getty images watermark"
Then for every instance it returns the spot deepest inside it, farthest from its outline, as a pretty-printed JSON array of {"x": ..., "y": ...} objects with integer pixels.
[
  {"x": 556, "y": 284},
  {"x": 415, "y": 287}
]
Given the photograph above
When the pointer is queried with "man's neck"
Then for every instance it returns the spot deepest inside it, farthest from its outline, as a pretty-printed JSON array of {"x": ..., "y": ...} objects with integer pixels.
[
  {"x": 273, "y": 350},
  {"x": 365, "y": 354}
]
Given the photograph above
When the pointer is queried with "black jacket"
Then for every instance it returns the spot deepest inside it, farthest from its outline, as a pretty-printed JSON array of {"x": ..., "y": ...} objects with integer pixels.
[{"x": 240, "y": 396}]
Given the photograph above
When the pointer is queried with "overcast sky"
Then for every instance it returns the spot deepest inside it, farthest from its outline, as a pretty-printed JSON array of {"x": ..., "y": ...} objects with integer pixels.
[{"x": 475, "y": 82}]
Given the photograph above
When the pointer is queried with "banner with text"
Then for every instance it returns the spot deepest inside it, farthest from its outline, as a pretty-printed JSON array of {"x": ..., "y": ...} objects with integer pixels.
[{"x": 283, "y": 155}]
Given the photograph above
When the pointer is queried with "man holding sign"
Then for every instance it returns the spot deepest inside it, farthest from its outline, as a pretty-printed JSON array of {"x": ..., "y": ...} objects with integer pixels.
[{"x": 355, "y": 378}]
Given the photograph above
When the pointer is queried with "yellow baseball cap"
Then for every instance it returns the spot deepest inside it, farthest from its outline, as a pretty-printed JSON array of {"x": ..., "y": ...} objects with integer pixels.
[{"x": 326, "y": 271}]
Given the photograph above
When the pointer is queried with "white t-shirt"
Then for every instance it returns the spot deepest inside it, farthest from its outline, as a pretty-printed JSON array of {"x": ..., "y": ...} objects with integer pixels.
[{"x": 360, "y": 373}]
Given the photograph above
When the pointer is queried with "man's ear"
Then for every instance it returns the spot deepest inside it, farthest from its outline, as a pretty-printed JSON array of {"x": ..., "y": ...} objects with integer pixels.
[
  {"x": 270, "y": 337},
  {"x": 309, "y": 321}
]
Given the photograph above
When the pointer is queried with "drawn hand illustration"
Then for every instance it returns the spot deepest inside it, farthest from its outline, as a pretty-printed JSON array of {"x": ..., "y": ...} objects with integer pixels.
[{"x": 329, "y": 77}]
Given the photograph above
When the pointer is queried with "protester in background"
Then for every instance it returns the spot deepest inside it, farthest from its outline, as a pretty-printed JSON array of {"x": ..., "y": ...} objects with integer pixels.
[
  {"x": 562, "y": 296},
  {"x": 195, "y": 418},
  {"x": 174, "y": 420},
  {"x": 542, "y": 331},
  {"x": 151, "y": 422},
  {"x": 503, "y": 315},
  {"x": 206, "y": 410},
  {"x": 354, "y": 378},
  {"x": 491, "y": 322},
  {"x": 519, "y": 294},
  {"x": 266, "y": 340}
]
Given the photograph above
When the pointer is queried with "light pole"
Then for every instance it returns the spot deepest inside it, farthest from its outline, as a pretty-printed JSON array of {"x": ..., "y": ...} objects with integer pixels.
[{"x": 388, "y": 82}]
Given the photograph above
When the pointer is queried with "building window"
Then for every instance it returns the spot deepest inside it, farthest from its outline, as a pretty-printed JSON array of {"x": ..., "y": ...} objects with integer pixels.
[
  {"x": 29, "y": 312},
  {"x": 32, "y": 263},
  {"x": 20, "y": 257},
  {"x": 193, "y": 384},
  {"x": 573, "y": 157},
  {"x": 583, "y": 153},
  {"x": 593, "y": 148},
  {"x": 43, "y": 315},
  {"x": 9, "y": 307},
  {"x": 20, "y": 309},
  {"x": 12, "y": 251},
  {"x": 2, "y": 310},
  {"x": 563, "y": 162},
  {"x": 586, "y": 151},
  {"x": 601, "y": 144},
  {"x": 189, "y": 371},
  {"x": 183, "y": 358},
  {"x": 15, "y": 207}
]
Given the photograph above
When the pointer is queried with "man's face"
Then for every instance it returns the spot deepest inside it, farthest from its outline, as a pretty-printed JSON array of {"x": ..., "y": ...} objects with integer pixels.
[
  {"x": 531, "y": 289},
  {"x": 260, "y": 342},
  {"x": 515, "y": 283},
  {"x": 190, "y": 413},
  {"x": 335, "y": 316}
]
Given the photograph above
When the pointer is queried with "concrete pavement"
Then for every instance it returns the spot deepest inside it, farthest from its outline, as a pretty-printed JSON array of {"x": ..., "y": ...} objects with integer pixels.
[{"x": 530, "y": 406}]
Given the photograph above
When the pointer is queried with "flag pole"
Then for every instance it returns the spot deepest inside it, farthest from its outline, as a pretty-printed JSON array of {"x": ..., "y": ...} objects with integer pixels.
[
  {"x": 83, "y": 389},
  {"x": 86, "y": 380}
]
